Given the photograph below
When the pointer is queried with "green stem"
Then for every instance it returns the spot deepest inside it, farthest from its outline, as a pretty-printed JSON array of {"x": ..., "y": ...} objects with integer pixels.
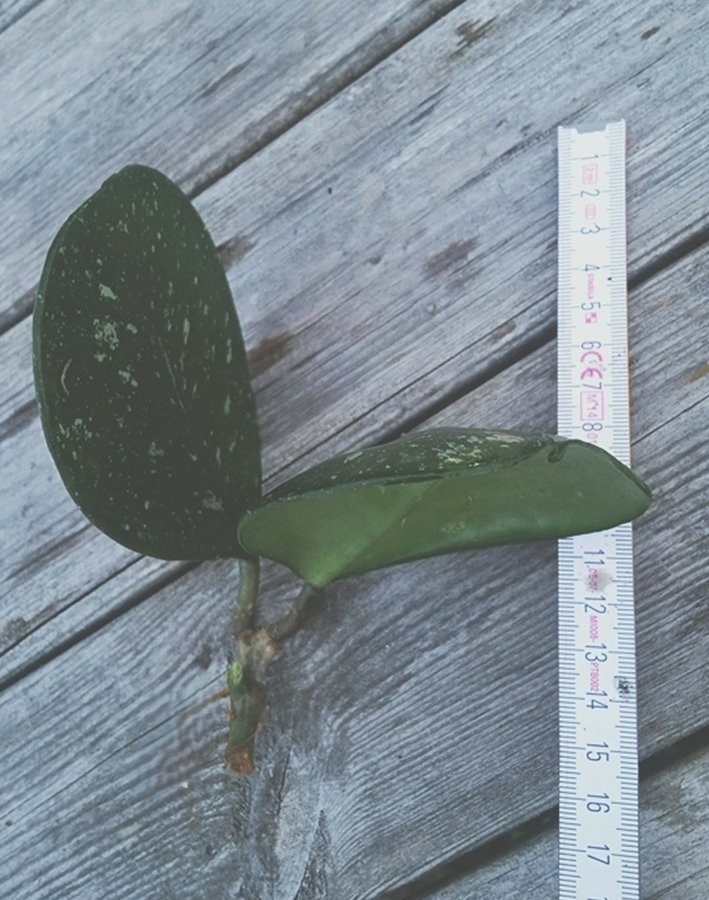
[
  {"x": 247, "y": 596},
  {"x": 257, "y": 646},
  {"x": 296, "y": 617}
]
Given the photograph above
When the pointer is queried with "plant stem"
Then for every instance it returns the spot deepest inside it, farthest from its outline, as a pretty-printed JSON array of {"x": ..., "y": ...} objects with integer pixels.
[
  {"x": 257, "y": 646},
  {"x": 248, "y": 593},
  {"x": 296, "y": 617}
]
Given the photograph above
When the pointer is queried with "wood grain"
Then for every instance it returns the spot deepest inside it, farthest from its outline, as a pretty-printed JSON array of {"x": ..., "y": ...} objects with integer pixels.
[
  {"x": 386, "y": 249},
  {"x": 189, "y": 87},
  {"x": 54, "y": 560},
  {"x": 416, "y": 713},
  {"x": 11, "y": 11},
  {"x": 317, "y": 325},
  {"x": 674, "y": 833},
  {"x": 433, "y": 257}
]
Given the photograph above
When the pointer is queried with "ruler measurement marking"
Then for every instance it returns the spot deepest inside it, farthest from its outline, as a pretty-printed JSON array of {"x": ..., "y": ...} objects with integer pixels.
[{"x": 597, "y": 683}]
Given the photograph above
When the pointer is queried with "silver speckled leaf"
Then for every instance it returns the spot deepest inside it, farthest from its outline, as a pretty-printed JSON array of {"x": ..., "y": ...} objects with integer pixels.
[{"x": 141, "y": 372}]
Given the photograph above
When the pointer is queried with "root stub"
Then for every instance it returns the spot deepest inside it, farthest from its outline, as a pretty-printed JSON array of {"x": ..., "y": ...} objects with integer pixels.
[{"x": 239, "y": 759}]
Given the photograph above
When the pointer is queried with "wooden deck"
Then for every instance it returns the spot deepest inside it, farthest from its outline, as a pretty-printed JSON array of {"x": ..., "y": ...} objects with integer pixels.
[{"x": 381, "y": 180}]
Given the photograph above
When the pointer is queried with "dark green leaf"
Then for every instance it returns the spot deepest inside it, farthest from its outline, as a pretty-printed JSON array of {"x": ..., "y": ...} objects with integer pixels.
[
  {"x": 437, "y": 491},
  {"x": 141, "y": 372}
]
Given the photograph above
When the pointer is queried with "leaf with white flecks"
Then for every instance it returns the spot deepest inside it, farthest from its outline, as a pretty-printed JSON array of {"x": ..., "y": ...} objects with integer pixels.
[{"x": 141, "y": 372}]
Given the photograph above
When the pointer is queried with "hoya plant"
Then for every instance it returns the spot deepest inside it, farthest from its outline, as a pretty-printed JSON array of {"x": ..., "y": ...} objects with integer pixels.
[{"x": 148, "y": 411}]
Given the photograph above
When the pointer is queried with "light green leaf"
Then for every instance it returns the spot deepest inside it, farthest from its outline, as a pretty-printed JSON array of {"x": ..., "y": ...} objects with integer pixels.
[{"x": 437, "y": 491}]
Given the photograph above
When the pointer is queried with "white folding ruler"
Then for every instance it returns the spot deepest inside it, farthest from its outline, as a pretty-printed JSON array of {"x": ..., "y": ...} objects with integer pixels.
[{"x": 598, "y": 806}]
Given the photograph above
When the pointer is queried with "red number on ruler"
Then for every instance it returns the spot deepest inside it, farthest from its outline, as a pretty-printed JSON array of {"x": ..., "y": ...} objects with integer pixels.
[
  {"x": 589, "y": 173},
  {"x": 591, "y": 405}
]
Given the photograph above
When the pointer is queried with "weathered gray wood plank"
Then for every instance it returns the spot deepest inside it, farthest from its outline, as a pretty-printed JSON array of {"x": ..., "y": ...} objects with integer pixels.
[
  {"x": 369, "y": 724},
  {"x": 415, "y": 716},
  {"x": 11, "y": 11},
  {"x": 191, "y": 87},
  {"x": 434, "y": 254},
  {"x": 323, "y": 324},
  {"x": 674, "y": 833},
  {"x": 410, "y": 703},
  {"x": 53, "y": 560}
]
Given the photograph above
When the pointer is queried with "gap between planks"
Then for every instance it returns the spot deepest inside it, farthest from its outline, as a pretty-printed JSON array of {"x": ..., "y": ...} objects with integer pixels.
[
  {"x": 448, "y": 873},
  {"x": 548, "y": 804},
  {"x": 524, "y": 348},
  {"x": 337, "y": 83},
  {"x": 516, "y": 354},
  {"x": 341, "y": 77},
  {"x": 15, "y": 17},
  {"x": 133, "y": 600}
]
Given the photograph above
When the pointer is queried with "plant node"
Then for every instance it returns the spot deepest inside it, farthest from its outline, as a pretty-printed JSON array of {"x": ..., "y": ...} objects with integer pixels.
[{"x": 246, "y": 676}]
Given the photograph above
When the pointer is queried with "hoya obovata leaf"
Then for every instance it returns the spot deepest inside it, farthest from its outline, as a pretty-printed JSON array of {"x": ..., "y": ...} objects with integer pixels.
[
  {"x": 437, "y": 491},
  {"x": 141, "y": 372}
]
